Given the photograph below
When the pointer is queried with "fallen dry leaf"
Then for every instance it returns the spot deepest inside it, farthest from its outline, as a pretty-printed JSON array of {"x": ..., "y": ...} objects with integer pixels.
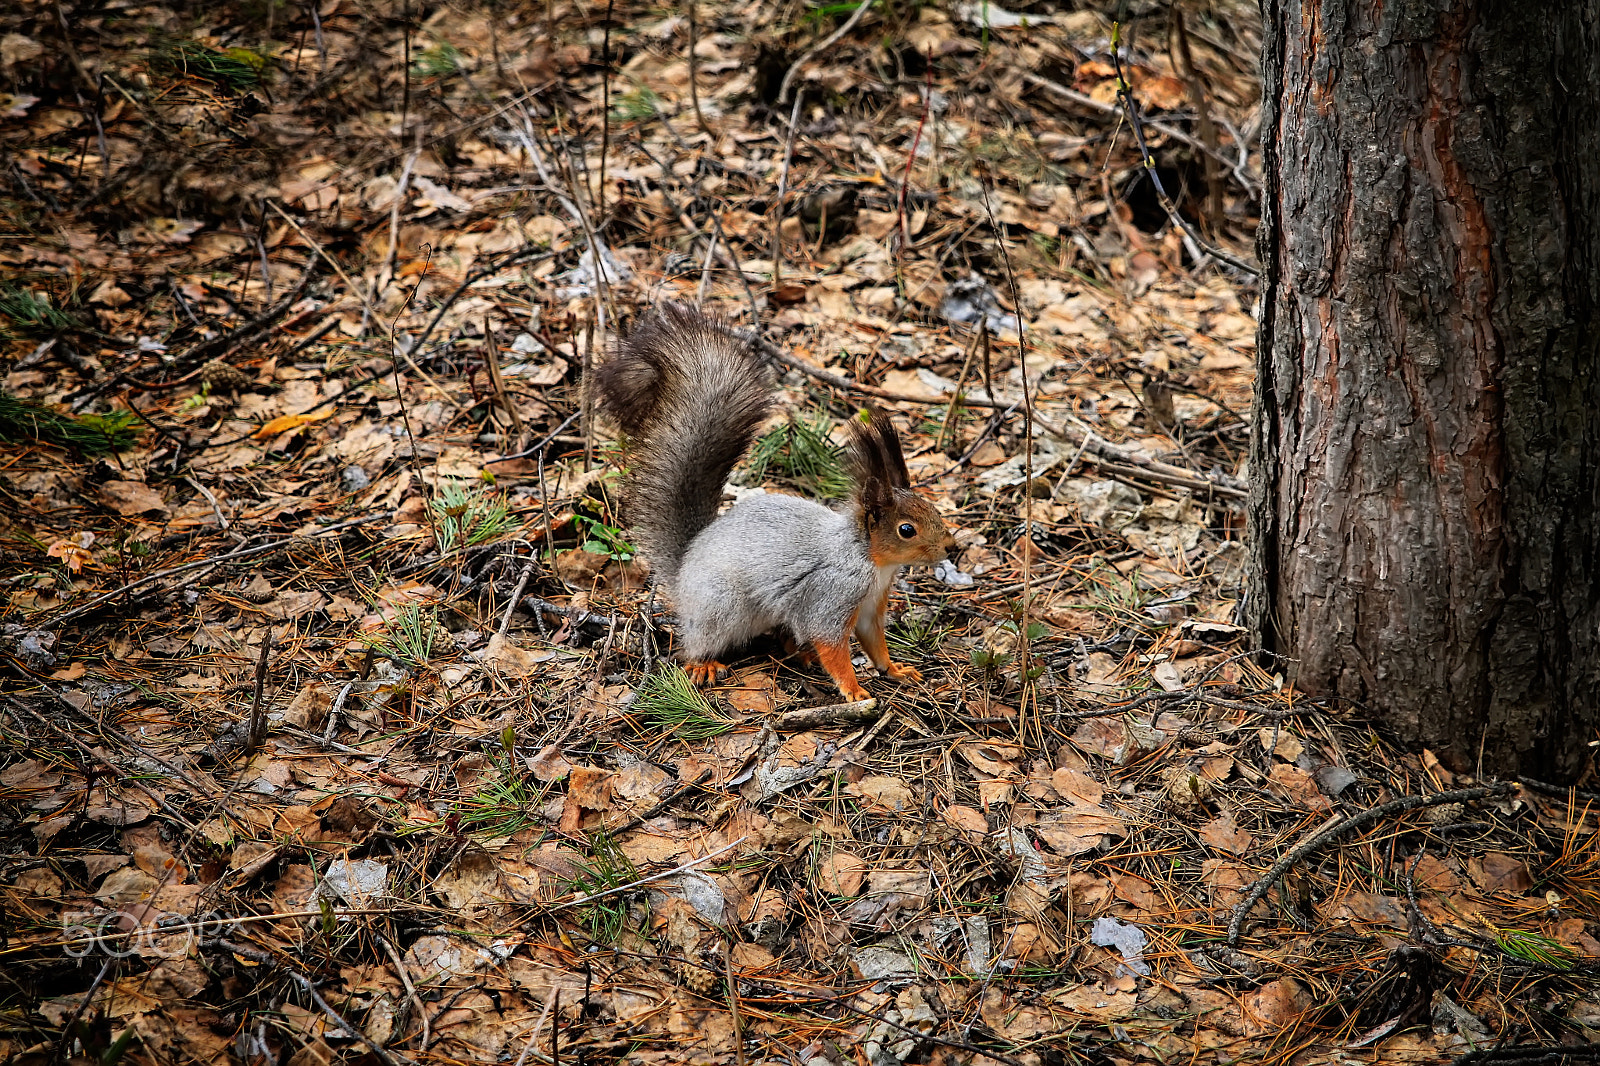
[
  {"x": 1498, "y": 872},
  {"x": 840, "y": 873},
  {"x": 73, "y": 550},
  {"x": 884, "y": 793},
  {"x": 1078, "y": 829},
  {"x": 588, "y": 792},
  {"x": 132, "y": 498},
  {"x": 1224, "y": 834},
  {"x": 284, "y": 423}
]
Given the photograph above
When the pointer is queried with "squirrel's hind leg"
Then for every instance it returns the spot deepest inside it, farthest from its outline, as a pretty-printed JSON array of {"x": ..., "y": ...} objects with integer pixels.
[{"x": 800, "y": 652}]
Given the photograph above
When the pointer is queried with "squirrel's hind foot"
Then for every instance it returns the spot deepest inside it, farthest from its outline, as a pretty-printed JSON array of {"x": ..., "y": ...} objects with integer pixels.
[
  {"x": 705, "y": 673},
  {"x": 802, "y": 654}
]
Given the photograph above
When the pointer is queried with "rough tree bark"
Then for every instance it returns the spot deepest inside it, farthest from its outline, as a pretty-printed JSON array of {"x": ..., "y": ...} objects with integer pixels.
[{"x": 1425, "y": 507}]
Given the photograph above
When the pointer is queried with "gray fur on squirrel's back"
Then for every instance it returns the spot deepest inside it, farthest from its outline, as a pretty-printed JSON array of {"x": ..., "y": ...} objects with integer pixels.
[{"x": 771, "y": 560}]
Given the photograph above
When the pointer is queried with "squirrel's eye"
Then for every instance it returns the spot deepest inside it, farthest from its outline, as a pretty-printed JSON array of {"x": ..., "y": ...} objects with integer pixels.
[{"x": 907, "y": 530}]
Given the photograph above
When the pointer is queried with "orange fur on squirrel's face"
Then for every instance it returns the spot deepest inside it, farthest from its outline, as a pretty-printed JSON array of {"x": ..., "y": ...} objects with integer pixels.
[{"x": 909, "y": 532}]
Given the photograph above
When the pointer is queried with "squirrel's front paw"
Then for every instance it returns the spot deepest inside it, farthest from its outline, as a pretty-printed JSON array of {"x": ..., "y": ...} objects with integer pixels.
[
  {"x": 853, "y": 694},
  {"x": 705, "y": 673},
  {"x": 903, "y": 673}
]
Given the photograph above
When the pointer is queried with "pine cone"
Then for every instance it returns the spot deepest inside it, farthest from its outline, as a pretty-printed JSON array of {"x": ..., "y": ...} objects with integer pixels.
[{"x": 224, "y": 377}]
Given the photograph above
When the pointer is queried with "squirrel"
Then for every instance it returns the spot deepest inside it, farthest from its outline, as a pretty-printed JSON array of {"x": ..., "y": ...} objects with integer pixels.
[{"x": 690, "y": 395}]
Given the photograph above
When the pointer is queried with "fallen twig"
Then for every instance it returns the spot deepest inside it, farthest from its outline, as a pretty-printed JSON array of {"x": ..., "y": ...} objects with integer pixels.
[
  {"x": 219, "y": 347},
  {"x": 1535, "y": 1055},
  {"x": 116, "y": 771},
  {"x": 258, "y": 711},
  {"x": 1338, "y": 829},
  {"x": 599, "y": 623},
  {"x": 64, "y": 1043},
  {"x": 216, "y": 508},
  {"x": 473, "y": 276},
  {"x": 551, "y": 908},
  {"x": 1251, "y": 187},
  {"x": 1131, "y": 106},
  {"x": 267, "y": 959},
  {"x": 527, "y": 1049},
  {"x": 213, "y": 560},
  {"x": 516, "y": 597},
  {"x": 783, "y": 189},
  {"x": 832, "y": 714},
  {"x": 828, "y": 42},
  {"x": 411, "y": 991},
  {"x": 1080, "y": 435},
  {"x": 732, "y": 988}
]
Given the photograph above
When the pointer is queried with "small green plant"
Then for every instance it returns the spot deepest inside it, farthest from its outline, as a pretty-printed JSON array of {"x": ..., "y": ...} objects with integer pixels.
[
  {"x": 989, "y": 660},
  {"x": 608, "y": 868},
  {"x": 800, "y": 454},
  {"x": 199, "y": 399},
  {"x": 93, "y": 1036},
  {"x": 411, "y": 635},
  {"x": 112, "y": 431},
  {"x": 1048, "y": 247},
  {"x": 817, "y": 14},
  {"x": 235, "y": 69},
  {"x": 669, "y": 701},
  {"x": 1036, "y": 630},
  {"x": 502, "y": 807},
  {"x": 638, "y": 106},
  {"x": 1535, "y": 948},
  {"x": 23, "y": 311},
  {"x": 22, "y": 421},
  {"x": 1118, "y": 596},
  {"x": 1004, "y": 149},
  {"x": 469, "y": 514},
  {"x": 440, "y": 61},
  {"x": 133, "y": 549},
  {"x": 934, "y": 419},
  {"x": 506, "y": 804},
  {"x": 918, "y": 630},
  {"x": 603, "y": 539}
]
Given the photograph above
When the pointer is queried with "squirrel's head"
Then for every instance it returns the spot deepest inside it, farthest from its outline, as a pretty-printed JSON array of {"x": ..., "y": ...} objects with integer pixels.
[{"x": 902, "y": 527}]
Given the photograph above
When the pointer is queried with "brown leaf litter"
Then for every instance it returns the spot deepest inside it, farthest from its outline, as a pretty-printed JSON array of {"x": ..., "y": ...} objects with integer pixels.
[{"x": 349, "y": 298}]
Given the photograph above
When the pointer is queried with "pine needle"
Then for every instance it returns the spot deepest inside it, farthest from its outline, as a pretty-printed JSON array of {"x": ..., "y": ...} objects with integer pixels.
[
  {"x": 669, "y": 701},
  {"x": 800, "y": 454},
  {"x": 237, "y": 69},
  {"x": 29, "y": 313},
  {"x": 21, "y": 421}
]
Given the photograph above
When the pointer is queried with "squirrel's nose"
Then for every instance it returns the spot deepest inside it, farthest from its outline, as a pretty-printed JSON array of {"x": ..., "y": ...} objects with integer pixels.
[{"x": 949, "y": 544}]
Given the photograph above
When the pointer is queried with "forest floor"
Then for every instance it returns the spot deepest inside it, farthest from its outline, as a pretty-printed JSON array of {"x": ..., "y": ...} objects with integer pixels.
[{"x": 337, "y": 720}]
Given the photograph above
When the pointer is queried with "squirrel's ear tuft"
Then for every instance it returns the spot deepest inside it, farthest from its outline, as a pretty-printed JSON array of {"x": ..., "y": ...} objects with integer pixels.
[
  {"x": 876, "y": 449},
  {"x": 876, "y": 499}
]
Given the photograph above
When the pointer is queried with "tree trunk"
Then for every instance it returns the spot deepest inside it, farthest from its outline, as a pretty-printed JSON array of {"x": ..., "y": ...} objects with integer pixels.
[{"x": 1425, "y": 508}]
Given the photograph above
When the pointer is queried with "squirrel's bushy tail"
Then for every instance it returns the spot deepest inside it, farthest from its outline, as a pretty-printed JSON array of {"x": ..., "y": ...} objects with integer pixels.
[{"x": 690, "y": 395}]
